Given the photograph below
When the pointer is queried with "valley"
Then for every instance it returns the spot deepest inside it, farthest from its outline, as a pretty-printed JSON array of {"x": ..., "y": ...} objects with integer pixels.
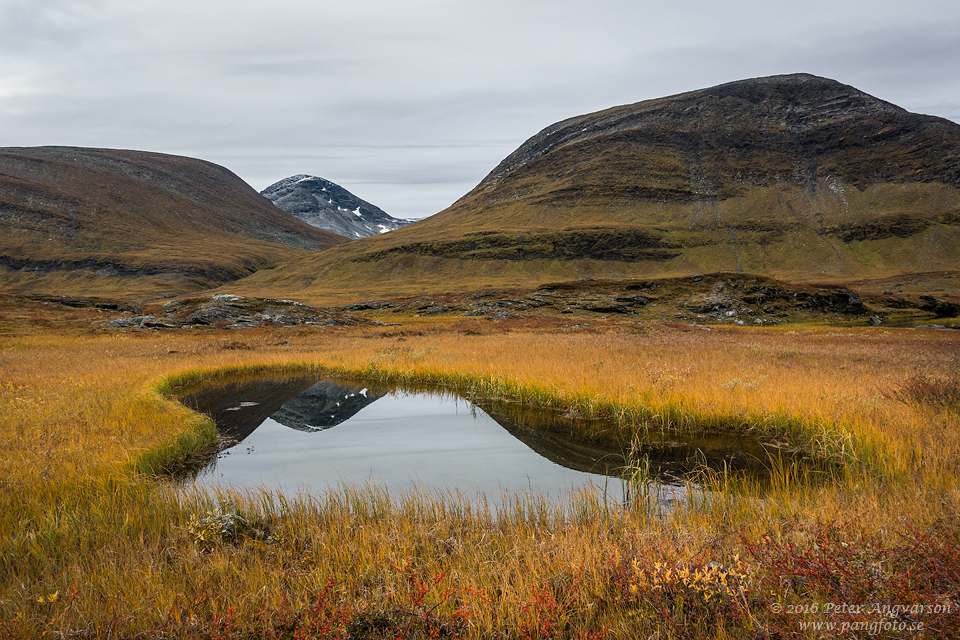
[{"x": 770, "y": 260}]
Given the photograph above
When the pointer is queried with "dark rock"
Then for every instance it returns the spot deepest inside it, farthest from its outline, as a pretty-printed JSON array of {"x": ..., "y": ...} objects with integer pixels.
[
  {"x": 944, "y": 309},
  {"x": 503, "y": 315},
  {"x": 370, "y": 304},
  {"x": 157, "y": 324},
  {"x": 635, "y": 300},
  {"x": 536, "y": 301},
  {"x": 126, "y": 323},
  {"x": 235, "y": 312},
  {"x": 940, "y": 308},
  {"x": 604, "y": 307},
  {"x": 207, "y": 316},
  {"x": 897, "y": 303},
  {"x": 838, "y": 301},
  {"x": 614, "y": 309}
]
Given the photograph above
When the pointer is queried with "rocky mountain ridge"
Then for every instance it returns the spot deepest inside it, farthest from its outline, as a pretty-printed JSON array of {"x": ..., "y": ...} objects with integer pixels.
[{"x": 326, "y": 205}]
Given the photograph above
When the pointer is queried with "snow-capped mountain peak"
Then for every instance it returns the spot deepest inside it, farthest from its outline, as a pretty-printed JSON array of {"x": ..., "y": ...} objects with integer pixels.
[{"x": 326, "y": 205}]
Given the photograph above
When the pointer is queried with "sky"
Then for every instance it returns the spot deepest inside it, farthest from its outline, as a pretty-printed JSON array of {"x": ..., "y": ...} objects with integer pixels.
[{"x": 410, "y": 103}]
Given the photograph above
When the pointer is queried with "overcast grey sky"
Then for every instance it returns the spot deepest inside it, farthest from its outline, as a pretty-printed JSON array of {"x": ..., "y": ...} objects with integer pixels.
[{"x": 410, "y": 103}]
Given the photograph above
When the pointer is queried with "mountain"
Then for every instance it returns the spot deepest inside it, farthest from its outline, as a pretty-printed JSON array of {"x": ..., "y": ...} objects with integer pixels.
[
  {"x": 324, "y": 405},
  {"x": 240, "y": 406},
  {"x": 325, "y": 205},
  {"x": 136, "y": 224},
  {"x": 795, "y": 176}
]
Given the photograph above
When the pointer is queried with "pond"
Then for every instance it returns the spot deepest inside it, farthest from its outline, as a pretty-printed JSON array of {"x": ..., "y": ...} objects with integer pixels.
[{"x": 309, "y": 436}]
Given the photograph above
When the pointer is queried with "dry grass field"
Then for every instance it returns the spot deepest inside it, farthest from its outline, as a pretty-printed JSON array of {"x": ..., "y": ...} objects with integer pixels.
[{"x": 97, "y": 542}]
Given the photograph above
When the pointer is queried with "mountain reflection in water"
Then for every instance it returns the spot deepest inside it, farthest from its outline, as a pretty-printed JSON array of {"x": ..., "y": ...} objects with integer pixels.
[{"x": 304, "y": 435}]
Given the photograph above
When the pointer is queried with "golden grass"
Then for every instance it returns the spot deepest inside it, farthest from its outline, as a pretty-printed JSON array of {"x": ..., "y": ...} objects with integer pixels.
[{"x": 90, "y": 544}]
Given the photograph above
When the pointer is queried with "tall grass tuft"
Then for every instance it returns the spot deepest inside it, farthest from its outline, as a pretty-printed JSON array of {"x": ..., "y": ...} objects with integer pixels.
[{"x": 939, "y": 392}]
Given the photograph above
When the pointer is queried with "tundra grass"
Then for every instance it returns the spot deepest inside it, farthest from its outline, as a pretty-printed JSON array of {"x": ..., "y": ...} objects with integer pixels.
[{"x": 95, "y": 542}]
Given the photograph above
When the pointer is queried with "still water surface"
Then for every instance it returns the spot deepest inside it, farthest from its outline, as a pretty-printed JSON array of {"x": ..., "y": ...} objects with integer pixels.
[
  {"x": 399, "y": 441},
  {"x": 308, "y": 436}
]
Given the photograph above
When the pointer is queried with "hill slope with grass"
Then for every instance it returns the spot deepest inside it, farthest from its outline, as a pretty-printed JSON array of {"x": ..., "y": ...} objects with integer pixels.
[
  {"x": 136, "y": 224},
  {"x": 794, "y": 176}
]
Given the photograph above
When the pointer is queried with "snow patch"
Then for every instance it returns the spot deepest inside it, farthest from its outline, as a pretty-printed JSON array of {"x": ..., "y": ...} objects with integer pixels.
[{"x": 357, "y": 213}]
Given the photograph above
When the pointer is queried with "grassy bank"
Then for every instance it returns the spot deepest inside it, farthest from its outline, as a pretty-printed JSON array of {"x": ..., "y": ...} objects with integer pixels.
[{"x": 94, "y": 544}]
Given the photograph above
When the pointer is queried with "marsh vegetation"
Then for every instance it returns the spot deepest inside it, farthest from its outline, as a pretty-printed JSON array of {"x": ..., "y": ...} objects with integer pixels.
[{"x": 96, "y": 542}]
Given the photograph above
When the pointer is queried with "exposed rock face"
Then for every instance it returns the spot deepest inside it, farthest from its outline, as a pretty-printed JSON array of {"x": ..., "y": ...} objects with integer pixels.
[
  {"x": 839, "y": 301},
  {"x": 326, "y": 205},
  {"x": 228, "y": 311},
  {"x": 941, "y": 308},
  {"x": 720, "y": 298}
]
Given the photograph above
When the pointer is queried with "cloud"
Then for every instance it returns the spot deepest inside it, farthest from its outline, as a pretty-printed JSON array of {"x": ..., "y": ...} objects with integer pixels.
[{"x": 422, "y": 96}]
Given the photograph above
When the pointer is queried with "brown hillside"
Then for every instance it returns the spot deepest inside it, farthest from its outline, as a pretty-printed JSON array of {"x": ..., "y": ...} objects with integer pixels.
[
  {"x": 138, "y": 224},
  {"x": 794, "y": 176}
]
